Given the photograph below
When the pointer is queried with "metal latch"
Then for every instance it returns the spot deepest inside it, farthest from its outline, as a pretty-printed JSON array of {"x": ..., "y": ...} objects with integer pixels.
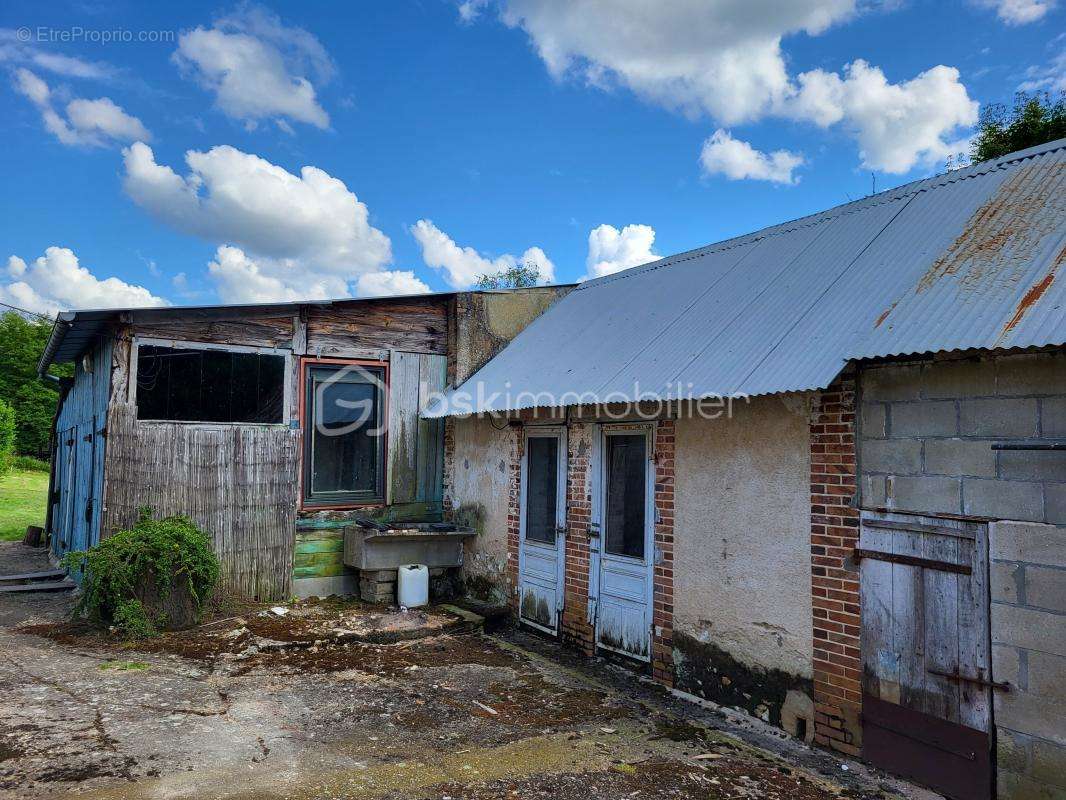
[
  {"x": 912, "y": 561},
  {"x": 955, "y": 677},
  {"x": 594, "y": 530}
]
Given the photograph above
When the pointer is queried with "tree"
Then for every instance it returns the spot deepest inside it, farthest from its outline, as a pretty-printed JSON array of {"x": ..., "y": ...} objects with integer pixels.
[
  {"x": 1034, "y": 119},
  {"x": 7, "y": 437},
  {"x": 520, "y": 276},
  {"x": 21, "y": 343}
]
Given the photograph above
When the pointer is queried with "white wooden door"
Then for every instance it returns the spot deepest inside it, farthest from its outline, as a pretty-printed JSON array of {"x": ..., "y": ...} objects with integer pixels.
[
  {"x": 542, "y": 532},
  {"x": 624, "y": 528}
]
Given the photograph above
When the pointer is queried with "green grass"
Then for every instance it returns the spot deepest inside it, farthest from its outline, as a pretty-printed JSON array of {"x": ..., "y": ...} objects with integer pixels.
[
  {"x": 125, "y": 666},
  {"x": 23, "y": 498}
]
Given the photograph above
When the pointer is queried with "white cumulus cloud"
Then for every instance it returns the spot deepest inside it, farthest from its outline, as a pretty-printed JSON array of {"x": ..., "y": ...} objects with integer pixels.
[
  {"x": 738, "y": 160},
  {"x": 56, "y": 282},
  {"x": 612, "y": 250},
  {"x": 90, "y": 123},
  {"x": 725, "y": 60},
  {"x": 239, "y": 198},
  {"x": 383, "y": 284},
  {"x": 462, "y": 266},
  {"x": 258, "y": 68},
  {"x": 1019, "y": 12},
  {"x": 281, "y": 236},
  {"x": 897, "y": 125}
]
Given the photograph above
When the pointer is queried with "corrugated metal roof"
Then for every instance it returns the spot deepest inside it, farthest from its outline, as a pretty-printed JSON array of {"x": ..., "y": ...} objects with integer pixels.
[{"x": 963, "y": 260}]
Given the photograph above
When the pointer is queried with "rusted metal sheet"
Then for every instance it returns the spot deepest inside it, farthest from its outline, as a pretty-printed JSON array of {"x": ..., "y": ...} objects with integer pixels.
[
  {"x": 969, "y": 259},
  {"x": 952, "y": 759}
]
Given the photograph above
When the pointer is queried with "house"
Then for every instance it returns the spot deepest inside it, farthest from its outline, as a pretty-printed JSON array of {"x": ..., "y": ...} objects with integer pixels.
[
  {"x": 271, "y": 426},
  {"x": 816, "y": 472}
]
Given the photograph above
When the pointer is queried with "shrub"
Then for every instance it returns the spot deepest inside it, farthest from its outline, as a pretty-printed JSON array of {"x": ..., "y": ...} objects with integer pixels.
[
  {"x": 30, "y": 464},
  {"x": 7, "y": 436},
  {"x": 158, "y": 574}
]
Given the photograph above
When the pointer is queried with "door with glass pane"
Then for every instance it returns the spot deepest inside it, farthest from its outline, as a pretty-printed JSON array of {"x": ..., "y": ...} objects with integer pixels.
[
  {"x": 541, "y": 529},
  {"x": 344, "y": 434},
  {"x": 625, "y": 523}
]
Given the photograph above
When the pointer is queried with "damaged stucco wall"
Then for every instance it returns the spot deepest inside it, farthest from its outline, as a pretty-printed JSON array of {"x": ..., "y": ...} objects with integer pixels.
[
  {"x": 742, "y": 593},
  {"x": 483, "y": 456},
  {"x": 487, "y": 321}
]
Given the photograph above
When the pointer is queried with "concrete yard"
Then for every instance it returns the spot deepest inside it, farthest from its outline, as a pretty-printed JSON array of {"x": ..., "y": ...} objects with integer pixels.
[{"x": 340, "y": 700}]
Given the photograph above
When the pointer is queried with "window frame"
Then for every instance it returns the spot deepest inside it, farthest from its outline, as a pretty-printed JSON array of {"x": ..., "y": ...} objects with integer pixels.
[
  {"x": 188, "y": 344},
  {"x": 352, "y": 500}
]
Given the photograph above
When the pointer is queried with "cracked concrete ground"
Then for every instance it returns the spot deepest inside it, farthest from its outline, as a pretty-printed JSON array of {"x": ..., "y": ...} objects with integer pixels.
[{"x": 456, "y": 715}]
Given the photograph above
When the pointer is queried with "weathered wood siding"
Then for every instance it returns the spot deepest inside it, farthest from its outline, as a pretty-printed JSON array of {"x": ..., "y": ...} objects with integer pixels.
[
  {"x": 415, "y": 462},
  {"x": 249, "y": 331},
  {"x": 237, "y": 482},
  {"x": 417, "y": 326}
]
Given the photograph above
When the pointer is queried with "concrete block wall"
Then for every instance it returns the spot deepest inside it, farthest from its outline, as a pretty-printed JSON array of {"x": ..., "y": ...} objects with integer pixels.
[
  {"x": 926, "y": 432},
  {"x": 1028, "y": 588},
  {"x": 925, "y": 436}
]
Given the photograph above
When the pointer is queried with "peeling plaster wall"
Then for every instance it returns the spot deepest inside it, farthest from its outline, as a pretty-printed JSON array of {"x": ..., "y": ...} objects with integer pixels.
[
  {"x": 481, "y": 486},
  {"x": 742, "y": 557},
  {"x": 488, "y": 321}
]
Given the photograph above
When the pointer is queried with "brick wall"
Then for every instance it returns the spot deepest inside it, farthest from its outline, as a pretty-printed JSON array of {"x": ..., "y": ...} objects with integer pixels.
[
  {"x": 662, "y": 664},
  {"x": 514, "y": 514},
  {"x": 834, "y": 581},
  {"x": 576, "y": 628}
]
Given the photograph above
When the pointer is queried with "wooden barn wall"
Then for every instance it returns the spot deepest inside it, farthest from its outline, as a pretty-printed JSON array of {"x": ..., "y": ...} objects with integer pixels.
[
  {"x": 236, "y": 482},
  {"x": 414, "y": 326},
  {"x": 249, "y": 331},
  {"x": 81, "y": 447},
  {"x": 240, "y": 483}
]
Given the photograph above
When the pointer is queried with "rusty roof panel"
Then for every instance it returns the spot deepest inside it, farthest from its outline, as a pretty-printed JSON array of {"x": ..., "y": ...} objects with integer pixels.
[{"x": 970, "y": 259}]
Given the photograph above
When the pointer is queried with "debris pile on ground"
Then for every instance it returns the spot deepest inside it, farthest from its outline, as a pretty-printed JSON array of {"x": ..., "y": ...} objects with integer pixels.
[{"x": 285, "y": 706}]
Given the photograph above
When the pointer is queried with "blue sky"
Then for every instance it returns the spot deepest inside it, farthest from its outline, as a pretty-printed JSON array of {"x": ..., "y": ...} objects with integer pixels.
[{"x": 258, "y": 152}]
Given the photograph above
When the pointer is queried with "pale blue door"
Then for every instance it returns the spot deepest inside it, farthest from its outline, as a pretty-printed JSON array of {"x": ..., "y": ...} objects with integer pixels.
[
  {"x": 626, "y": 543},
  {"x": 541, "y": 531}
]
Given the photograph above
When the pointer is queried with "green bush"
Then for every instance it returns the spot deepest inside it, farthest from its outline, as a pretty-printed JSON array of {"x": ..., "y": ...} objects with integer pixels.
[
  {"x": 30, "y": 464},
  {"x": 129, "y": 576},
  {"x": 7, "y": 437}
]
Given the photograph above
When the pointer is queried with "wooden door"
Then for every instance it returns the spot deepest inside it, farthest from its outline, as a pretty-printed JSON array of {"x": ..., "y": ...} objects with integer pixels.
[
  {"x": 626, "y": 541},
  {"x": 542, "y": 533},
  {"x": 925, "y": 650}
]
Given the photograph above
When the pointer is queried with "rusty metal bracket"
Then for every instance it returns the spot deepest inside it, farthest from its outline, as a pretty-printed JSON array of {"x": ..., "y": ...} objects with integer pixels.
[
  {"x": 912, "y": 561},
  {"x": 955, "y": 677}
]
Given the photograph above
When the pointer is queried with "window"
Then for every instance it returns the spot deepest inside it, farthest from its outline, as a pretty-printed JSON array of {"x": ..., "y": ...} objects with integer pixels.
[
  {"x": 344, "y": 434},
  {"x": 542, "y": 486},
  {"x": 190, "y": 384},
  {"x": 626, "y": 485}
]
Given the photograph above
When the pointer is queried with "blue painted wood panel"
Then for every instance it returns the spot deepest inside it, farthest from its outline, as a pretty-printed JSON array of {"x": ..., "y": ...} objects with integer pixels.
[{"x": 80, "y": 446}]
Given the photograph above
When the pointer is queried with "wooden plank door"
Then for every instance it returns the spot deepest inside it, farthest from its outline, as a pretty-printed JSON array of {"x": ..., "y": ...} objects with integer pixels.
[{"x": 925, "y": 651}]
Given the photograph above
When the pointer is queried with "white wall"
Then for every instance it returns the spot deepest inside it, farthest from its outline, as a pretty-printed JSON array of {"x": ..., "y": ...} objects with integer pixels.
[
  {"x": 742, "y": 533},
  {"x": 481, "y": 485}
]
